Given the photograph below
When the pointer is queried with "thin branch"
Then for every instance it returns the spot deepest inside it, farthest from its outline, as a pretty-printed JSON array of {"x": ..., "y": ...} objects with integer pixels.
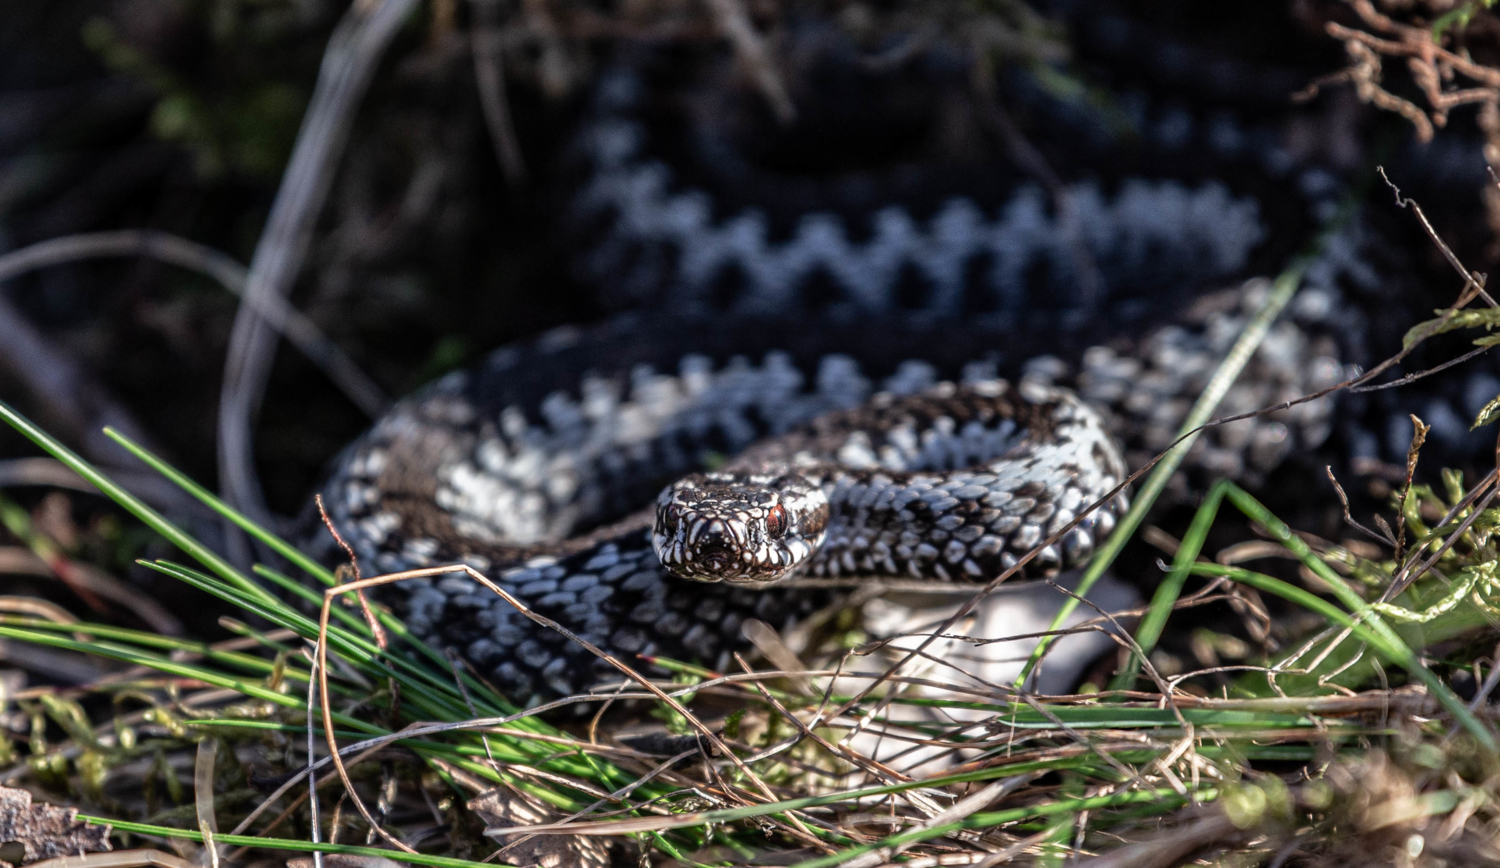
[
  {"x": 1387, "y": 538},
  {"x": 734, "y": 21},
  {"x": 1417, "y": 375},
  {"x": 1434, "y": 69},
  {"x": 376, "y": 630}
]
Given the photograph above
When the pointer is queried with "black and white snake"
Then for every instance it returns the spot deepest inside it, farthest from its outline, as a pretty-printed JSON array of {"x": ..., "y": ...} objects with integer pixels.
[{"x": 820, "y": 391}]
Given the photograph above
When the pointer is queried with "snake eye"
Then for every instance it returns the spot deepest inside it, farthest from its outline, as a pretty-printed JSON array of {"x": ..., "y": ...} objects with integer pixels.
[
  {"x": 670, "y": 516},
  {"x": 776, "y": 521}
]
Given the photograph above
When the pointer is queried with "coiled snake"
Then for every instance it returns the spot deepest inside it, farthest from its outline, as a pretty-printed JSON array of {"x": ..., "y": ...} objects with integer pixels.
[{"x": 825, "y": 398}]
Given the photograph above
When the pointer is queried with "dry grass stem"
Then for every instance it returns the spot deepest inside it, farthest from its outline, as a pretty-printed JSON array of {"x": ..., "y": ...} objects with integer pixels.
[{"x": 348, "y": 65}]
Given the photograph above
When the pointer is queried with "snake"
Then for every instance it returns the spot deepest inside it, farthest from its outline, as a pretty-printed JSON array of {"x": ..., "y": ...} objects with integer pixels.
[{"x": 924, "y": 367}]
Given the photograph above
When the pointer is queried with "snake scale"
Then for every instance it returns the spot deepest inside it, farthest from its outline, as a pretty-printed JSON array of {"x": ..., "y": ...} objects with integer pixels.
[{"x": 910, "y": 334}]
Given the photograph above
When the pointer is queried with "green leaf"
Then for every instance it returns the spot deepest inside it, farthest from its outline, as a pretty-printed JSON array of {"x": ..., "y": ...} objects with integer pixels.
[
  {"x": 1457, "y": 19},
  {"x": 1490, "y": 413},
  {"x": 1464, "y": 319},
  {"x": 1487, "y": 521}
]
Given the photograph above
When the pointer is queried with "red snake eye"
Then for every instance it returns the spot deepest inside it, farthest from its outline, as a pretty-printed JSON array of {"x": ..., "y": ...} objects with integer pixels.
[{"x": 776, "y": 521}]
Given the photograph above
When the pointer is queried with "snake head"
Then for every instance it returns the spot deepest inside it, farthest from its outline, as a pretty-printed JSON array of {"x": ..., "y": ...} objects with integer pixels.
[{"x": 752, "y": 529}]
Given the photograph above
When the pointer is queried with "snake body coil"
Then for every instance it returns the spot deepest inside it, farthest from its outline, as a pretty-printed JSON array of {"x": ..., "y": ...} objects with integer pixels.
[
  {"x": 825, "y": 398},
  {"x": 955, "y": 481},
  {"x": 929, "y": 463}
]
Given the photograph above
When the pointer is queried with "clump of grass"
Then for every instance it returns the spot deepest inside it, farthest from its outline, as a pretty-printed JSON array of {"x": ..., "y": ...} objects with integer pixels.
[
  {"x": 206, "y": 745},
  {"x": 206, "y": 748}
]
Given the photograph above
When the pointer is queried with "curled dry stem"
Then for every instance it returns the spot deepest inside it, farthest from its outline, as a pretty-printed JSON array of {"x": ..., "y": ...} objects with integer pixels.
[{"x": 1436, "y": 69}]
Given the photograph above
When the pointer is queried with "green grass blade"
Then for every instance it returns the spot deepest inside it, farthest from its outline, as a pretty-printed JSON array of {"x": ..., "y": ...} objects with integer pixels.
[
  {"x": 1388, "y": 639},
  {"x": 438, "y": 677},
  {"x": 137, "y": 657},
  {"x": 289, "y": 844},
  {"x": 248, "y": 662},
  {"x": 1151, "y": 627},
  {"x": 1164, "y": 798},
  {"x": 132, "y": 504},
  {"x": 1368, "y": 628},
  {"x": 271, "y": 540},
  {"x": 1282, "y": 290}
]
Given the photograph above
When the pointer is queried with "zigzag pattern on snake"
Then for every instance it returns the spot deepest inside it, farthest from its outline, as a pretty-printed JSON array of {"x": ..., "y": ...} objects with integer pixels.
[{"x": 800, "y": 296}]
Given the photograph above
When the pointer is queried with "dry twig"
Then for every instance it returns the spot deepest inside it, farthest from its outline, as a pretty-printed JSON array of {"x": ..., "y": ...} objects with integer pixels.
[
  {"x": 750, "y": 49},
  {"x": 1446, "y": 76}
]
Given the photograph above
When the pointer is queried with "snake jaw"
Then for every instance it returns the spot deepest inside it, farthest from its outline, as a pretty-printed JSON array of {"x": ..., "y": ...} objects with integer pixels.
[{"x": 744, "y": 529}]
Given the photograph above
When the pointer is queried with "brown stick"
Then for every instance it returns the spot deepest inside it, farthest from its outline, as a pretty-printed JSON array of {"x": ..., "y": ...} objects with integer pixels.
[{"x": 750, "y": 50}]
